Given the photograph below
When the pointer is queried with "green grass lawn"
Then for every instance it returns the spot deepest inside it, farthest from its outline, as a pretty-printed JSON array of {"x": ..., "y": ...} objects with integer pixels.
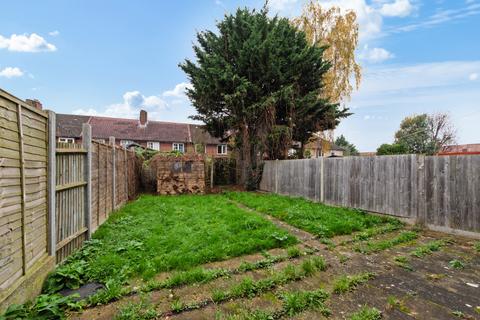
[
  {"x": 163, "y": 233},
  {"x": 316, "y": 218}
]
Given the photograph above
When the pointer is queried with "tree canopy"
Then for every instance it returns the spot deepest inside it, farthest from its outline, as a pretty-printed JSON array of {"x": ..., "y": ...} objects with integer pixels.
[
  {"x": 391, "y": 149},
  {"x": 338, "y": 32},
  {"x": 350, "y": 149},
  {"x": 260, "y": 81},
  {"x": 422, "y": 134}
]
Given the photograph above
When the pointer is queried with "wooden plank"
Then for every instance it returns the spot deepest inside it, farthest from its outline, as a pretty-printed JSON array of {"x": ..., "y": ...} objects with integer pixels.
[
  {"x": 65, "y": 241},
  {"x": 52, "y": 165},
  {"x": 23, "y": 195},
  {"x": 70, "y": 150},
  {"x": 70, "y": 185}
]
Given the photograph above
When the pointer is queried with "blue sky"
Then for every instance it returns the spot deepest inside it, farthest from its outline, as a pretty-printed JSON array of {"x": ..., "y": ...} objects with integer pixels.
[{"x": 115, "y": 57}]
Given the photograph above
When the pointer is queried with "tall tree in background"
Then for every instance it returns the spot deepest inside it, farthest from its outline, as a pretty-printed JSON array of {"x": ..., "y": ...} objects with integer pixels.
[
  {"x": 442, "y": 130},
  {"x": 338, "y": 32},
  {"x": 350, "y": 149},
  {"x": 260, "y": 80},
  {"x": 422, "y": 134},
  {"x": 413, "y": 134}
]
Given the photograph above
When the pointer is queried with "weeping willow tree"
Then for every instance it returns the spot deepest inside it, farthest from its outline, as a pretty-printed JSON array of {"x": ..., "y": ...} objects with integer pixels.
[
  {"x": 259, "y": 80},
  {"x": 337, "y": 32}
]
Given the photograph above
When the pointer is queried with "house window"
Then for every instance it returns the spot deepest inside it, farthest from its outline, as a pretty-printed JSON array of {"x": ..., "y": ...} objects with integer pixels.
[
  {"x": 66, "y": 140},
  {"x": 155, "y": 145},
  {"x": 222, "y": 149},
  {"x": 125, "y": 143},
  {"x": 180, "y": 147},
  {"x": 100, "y": 140}
]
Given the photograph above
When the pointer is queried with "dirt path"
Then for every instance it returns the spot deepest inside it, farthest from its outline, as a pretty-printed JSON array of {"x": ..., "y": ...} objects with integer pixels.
[{"x": 439, "y": 284}]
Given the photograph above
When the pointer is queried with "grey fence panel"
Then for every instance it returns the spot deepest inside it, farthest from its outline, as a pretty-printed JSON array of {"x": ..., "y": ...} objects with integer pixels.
[{"x": 441, "y": 192}]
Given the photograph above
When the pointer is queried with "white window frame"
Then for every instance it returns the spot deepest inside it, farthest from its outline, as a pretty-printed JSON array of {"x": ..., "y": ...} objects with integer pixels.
[
  {"x": 66, "y": 140},
  {"x": 124, "y": 143},
  {"x": 178, "y": 146},
  {"x": 100, "y": 140},
  {"x": 223, "y": 148},
  {"x": 154, "y": 145}
]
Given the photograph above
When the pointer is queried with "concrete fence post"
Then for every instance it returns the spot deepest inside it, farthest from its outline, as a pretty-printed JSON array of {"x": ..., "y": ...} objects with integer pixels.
[
  {"x": 111, "y": 141},
  {"x": 322, "y": 180},
  {"x": 421, "y": 218},
  {"x": 276, "y": 176},
  {"x": 125, "y": 156},
  {"x": 52, "y": 183},
  {"x": 87, "y": 145}
]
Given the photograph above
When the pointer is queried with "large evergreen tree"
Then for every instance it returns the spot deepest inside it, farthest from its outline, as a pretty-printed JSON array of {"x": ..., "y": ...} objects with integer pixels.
[{"x": 259, "y": 80}]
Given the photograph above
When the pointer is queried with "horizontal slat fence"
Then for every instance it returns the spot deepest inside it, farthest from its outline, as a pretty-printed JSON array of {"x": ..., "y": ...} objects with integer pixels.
[
  {"x": 442, "y": 192},
  {"x": 52, "y": 195},
  {"x": 24, "y": 227}
]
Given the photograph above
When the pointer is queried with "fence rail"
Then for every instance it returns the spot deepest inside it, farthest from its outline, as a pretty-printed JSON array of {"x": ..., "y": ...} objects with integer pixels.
[{"x": 440, "y": 192}]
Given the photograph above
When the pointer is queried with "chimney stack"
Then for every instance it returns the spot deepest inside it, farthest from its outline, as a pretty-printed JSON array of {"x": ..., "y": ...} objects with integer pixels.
[
  {"x": 34, "y": 103},
  {"x": 143, "y": 117}
]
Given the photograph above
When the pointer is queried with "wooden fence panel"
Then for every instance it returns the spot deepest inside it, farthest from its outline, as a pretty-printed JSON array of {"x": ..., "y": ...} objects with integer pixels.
[
  {"x": 38, "y": 176},
  {"x": 23, "y": 191},
  {"x": 441, "y": 192},
  {"x": 70, "y": 199}
]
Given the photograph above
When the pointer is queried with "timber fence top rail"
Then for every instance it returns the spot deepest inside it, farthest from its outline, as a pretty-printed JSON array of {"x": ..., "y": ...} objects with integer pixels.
[
  {"x": 380, "y": 157},
  {"x": 19, "y": 101}
]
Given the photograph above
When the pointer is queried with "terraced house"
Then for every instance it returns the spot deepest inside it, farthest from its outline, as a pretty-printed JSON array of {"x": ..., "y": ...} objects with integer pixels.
[{"x": 156, "y": 135}]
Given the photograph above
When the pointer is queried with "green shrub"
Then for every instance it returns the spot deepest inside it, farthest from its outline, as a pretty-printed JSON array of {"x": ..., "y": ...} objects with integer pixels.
[{"x": 44, "y": 307}]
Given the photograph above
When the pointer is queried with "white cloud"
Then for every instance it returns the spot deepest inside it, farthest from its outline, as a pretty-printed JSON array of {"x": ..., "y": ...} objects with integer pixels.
[
  {"x": 399, "y": 8},
  {"x": 384, "y": 80},
  {"x": 375, "y": 55},
  {"x": 10, "y": 72},
  {"x": 282, "y": 5},
  {"x": 26, "y": 43},
  {"x": 442, "y": 16},
  {"x": 134, "y": 101},
  {"x": 54, "y": 33},
  {"x": 395, "y": 91},
  {"x": 369, "y": 18},
  {"x": 178, "y": 91},
  {"x": 473, "y": 76}
]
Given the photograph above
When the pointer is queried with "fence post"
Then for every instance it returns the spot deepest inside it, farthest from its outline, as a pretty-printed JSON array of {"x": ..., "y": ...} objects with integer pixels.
[
  {"x": 87, "y": 145},
  {"x": 421, "y": 191},
  {"x": 125, "y": 156},
  {"x": 276, "y": 176},
  {"x": 52, "y": 169},
  {"x": 211, "y": 172},
  {"x": 111, "y": 141},
  {"x": 22, "y": 186},
  {"x": 322, "y": 180}
]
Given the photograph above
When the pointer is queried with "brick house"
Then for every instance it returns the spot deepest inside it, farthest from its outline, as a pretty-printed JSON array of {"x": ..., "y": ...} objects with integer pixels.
[
  {"x": 318, "y": 147},
  {"x": 461, "y": 149},
  {"x": 157, "y": 135}
]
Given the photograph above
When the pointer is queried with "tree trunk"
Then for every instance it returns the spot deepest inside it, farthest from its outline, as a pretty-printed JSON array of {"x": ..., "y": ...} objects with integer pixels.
[{"x": 302, "y": 151}]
